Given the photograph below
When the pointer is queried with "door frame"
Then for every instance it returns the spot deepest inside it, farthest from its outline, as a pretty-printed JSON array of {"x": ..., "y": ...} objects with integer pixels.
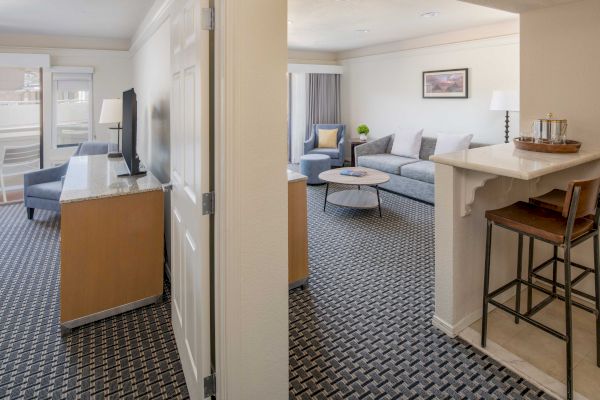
[
  {"x": 251, "y": 357},
  {"x": 234, "y": 354}
]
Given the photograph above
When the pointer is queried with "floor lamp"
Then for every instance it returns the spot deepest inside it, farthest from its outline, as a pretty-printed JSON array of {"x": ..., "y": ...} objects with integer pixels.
[
  {"x": 112, "y": 113},
  {"x": 506, "y": 101}
]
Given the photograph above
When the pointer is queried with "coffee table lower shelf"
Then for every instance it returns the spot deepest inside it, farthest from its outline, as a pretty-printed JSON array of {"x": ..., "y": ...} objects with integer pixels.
[{"x": 354, "y": 198}]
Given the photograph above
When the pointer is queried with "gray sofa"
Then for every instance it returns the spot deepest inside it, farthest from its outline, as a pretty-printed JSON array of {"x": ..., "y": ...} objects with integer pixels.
[{"x": 408, "y": 176}]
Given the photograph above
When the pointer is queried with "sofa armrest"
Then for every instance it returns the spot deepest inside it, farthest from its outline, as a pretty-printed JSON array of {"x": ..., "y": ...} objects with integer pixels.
[
  {"x": 378, "y": 146},
  {"x": 309, "y": 144},
  {"x": 341, "y": 148},
  {"x": 44, "y": 175}
]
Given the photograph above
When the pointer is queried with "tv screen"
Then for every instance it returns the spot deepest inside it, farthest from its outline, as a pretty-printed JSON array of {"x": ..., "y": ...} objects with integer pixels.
[{"x": 130, "y": 132}]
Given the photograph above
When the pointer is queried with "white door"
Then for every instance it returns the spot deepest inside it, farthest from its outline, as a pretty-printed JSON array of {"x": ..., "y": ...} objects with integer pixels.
[{"x": 190, "y": 229}]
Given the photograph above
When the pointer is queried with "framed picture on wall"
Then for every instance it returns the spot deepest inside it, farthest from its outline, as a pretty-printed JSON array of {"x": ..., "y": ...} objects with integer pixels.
[{"x": 446, "y": 84}]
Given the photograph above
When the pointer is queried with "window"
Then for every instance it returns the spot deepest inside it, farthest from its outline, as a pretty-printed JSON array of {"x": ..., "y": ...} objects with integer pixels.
[{"x": 71, "y": 108}]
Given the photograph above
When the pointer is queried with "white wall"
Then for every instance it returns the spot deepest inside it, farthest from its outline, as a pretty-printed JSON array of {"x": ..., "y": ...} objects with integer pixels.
[
  {"x": 385, "y": 91},
  {"x": 152, "y": 83},
  {"x": 112, "y": 76}
]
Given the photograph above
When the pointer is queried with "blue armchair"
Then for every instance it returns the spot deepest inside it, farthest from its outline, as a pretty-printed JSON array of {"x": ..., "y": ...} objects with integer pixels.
[
  {"x": 311, "y": 146},
  {"x": 42, "y": 188}
]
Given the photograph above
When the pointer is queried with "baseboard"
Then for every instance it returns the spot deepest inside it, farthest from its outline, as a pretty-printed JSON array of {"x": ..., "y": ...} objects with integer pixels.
[
  {"x": 516, "y": 364},
  {"x": 443, "y": 326},
  {"x": 454, "y": 330}
]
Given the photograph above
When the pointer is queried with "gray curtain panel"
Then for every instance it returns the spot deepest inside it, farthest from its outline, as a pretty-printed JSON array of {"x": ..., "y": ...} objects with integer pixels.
[{"x": 322, "y": 100}]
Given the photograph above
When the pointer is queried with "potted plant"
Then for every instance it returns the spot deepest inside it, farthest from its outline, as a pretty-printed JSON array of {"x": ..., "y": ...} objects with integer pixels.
[{"x": 363, "y": 131}]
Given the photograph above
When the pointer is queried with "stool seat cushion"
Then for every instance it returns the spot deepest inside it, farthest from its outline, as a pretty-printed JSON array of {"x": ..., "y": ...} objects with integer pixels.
[{"x": 538, "y": 221}]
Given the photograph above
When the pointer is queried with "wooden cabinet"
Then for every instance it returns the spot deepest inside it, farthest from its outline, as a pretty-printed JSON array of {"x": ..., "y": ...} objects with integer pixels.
[
  {"x": 112, "y": 232},
  {"x": 297, "y": 230}
]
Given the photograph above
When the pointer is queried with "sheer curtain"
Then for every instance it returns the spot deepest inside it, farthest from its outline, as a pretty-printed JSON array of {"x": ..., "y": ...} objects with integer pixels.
[
  {"x": 322, "y": 100},
  {"x": 297, "y": 116}
]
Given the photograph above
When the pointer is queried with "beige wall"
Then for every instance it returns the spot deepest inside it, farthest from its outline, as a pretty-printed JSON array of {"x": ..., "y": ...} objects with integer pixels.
[
  {"x": 560, "y": 67},
  {"x": 251, "y": 179}
]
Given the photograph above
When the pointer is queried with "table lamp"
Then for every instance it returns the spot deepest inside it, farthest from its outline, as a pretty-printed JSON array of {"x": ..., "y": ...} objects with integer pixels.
[
  {"x": 503, "y": 100},
  {"x": 112, "y": 113}
]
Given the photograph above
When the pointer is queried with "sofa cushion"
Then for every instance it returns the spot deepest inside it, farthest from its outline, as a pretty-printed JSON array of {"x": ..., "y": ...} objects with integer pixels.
[
  {"x": 407, "y": 143},
  {"x": 332, "y": 153},
  {"x": 327, "y": 138},
  {"x": 47, "y": 190},
  {"x": 452, "y": 143},
  {"x": 423, "y": 171},
  {"x": 385, "y": 162}
]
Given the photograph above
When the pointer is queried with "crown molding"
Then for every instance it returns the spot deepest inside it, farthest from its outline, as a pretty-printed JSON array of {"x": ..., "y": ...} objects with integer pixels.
[
  {"x": 506, "y": 29},
  {"x": 158, "y": 14},
  {"x": 62, "y": 42},
  {"x": 56, "y": 51}
]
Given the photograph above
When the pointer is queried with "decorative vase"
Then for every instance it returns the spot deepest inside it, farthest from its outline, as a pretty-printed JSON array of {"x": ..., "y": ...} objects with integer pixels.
[{"x": 363, "y": 138}]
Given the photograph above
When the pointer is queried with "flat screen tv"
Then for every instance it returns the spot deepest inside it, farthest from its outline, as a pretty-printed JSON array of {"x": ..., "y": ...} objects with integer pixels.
[{"x": 130, "y": 134}]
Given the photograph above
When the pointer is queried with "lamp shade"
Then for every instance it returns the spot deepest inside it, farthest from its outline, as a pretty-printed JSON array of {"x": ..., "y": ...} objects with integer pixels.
[
  {"x": 504, "y": 100},
  {"x": 112, "y": 111}
]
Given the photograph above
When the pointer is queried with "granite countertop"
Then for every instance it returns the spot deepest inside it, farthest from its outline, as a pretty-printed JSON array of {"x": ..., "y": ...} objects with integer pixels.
[
  {"x": 505, "y": 160},
  {"x": 94, "y": 177},
  {"x": 295, "y": 176}
]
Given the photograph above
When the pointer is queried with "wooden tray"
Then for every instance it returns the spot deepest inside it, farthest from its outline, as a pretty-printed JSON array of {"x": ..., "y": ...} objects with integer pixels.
[{"x": 528, "y": 144}]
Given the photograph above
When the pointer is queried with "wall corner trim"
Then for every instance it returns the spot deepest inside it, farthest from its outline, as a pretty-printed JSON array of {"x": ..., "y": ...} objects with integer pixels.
[{"x": 157, "y": 15}]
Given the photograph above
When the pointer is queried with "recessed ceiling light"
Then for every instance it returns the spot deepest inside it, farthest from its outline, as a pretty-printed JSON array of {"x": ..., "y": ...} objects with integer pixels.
[
  {"x": 430, "y": 14},
  {"x": 362, "y": 30}
]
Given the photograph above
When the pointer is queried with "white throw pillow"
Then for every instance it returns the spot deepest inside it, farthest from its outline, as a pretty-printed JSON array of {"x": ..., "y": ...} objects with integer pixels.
[
  {"x": 452, "y": 143},
  {"x": 407, "y": 143}
]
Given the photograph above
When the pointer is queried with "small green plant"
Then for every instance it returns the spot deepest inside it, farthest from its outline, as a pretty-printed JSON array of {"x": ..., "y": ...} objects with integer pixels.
[{"x": 362, "y": 129}]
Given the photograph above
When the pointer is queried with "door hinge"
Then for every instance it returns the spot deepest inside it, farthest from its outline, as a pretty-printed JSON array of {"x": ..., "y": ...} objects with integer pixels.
[
  {"x": 210, "y": 385},
  {"x": 207, "y": 20},
  {"x": 208, "y": 203}
]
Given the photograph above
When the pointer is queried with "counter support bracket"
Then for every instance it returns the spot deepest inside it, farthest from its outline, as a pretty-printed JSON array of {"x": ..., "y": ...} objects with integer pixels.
[{"x": 470, "y": 181}]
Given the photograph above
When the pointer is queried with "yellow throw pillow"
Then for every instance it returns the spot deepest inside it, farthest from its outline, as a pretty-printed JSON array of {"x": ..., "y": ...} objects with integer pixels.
[{"x": 328, "y": 138}]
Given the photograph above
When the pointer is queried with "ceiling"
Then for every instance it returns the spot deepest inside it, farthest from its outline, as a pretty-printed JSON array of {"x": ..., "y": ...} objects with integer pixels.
[
  {"x": 337, "y": 25},
  {"x": 105, "y": 19},
  {"x": 519, "y": 5}
]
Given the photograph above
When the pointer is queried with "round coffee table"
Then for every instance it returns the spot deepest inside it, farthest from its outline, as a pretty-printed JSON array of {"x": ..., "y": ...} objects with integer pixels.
[{"x": 354, "y": 198}]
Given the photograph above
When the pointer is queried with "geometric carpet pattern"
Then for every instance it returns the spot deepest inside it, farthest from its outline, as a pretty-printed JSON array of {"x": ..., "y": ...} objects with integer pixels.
[
  {"x": 362, "y": 328},
  {"x": 128, "y": 356}
]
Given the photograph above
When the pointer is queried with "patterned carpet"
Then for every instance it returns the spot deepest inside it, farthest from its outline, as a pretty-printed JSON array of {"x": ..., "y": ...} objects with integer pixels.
[
  {"x": 130, "y": 356},
  {"x": 363, "y": 327}
]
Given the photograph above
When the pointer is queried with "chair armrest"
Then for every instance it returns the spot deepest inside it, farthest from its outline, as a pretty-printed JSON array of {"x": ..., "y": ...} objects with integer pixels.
[
  {"x": 378, "y": 146},
  {"x": 44, "y": 175},
  {"x": 309, "y": 144}
]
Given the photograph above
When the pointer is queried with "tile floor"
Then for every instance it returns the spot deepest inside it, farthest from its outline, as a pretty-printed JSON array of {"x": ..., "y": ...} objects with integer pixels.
[{"x": 546, "y": 352}]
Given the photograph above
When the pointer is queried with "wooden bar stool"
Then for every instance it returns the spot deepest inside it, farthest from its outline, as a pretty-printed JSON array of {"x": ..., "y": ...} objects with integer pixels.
[
  {"x": 566, "y": 228},
  {"x": 555, "y": 200}
]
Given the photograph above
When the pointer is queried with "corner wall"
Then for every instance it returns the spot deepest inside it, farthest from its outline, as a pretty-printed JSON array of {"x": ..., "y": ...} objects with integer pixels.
[{"x": 560, "y": 65}]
